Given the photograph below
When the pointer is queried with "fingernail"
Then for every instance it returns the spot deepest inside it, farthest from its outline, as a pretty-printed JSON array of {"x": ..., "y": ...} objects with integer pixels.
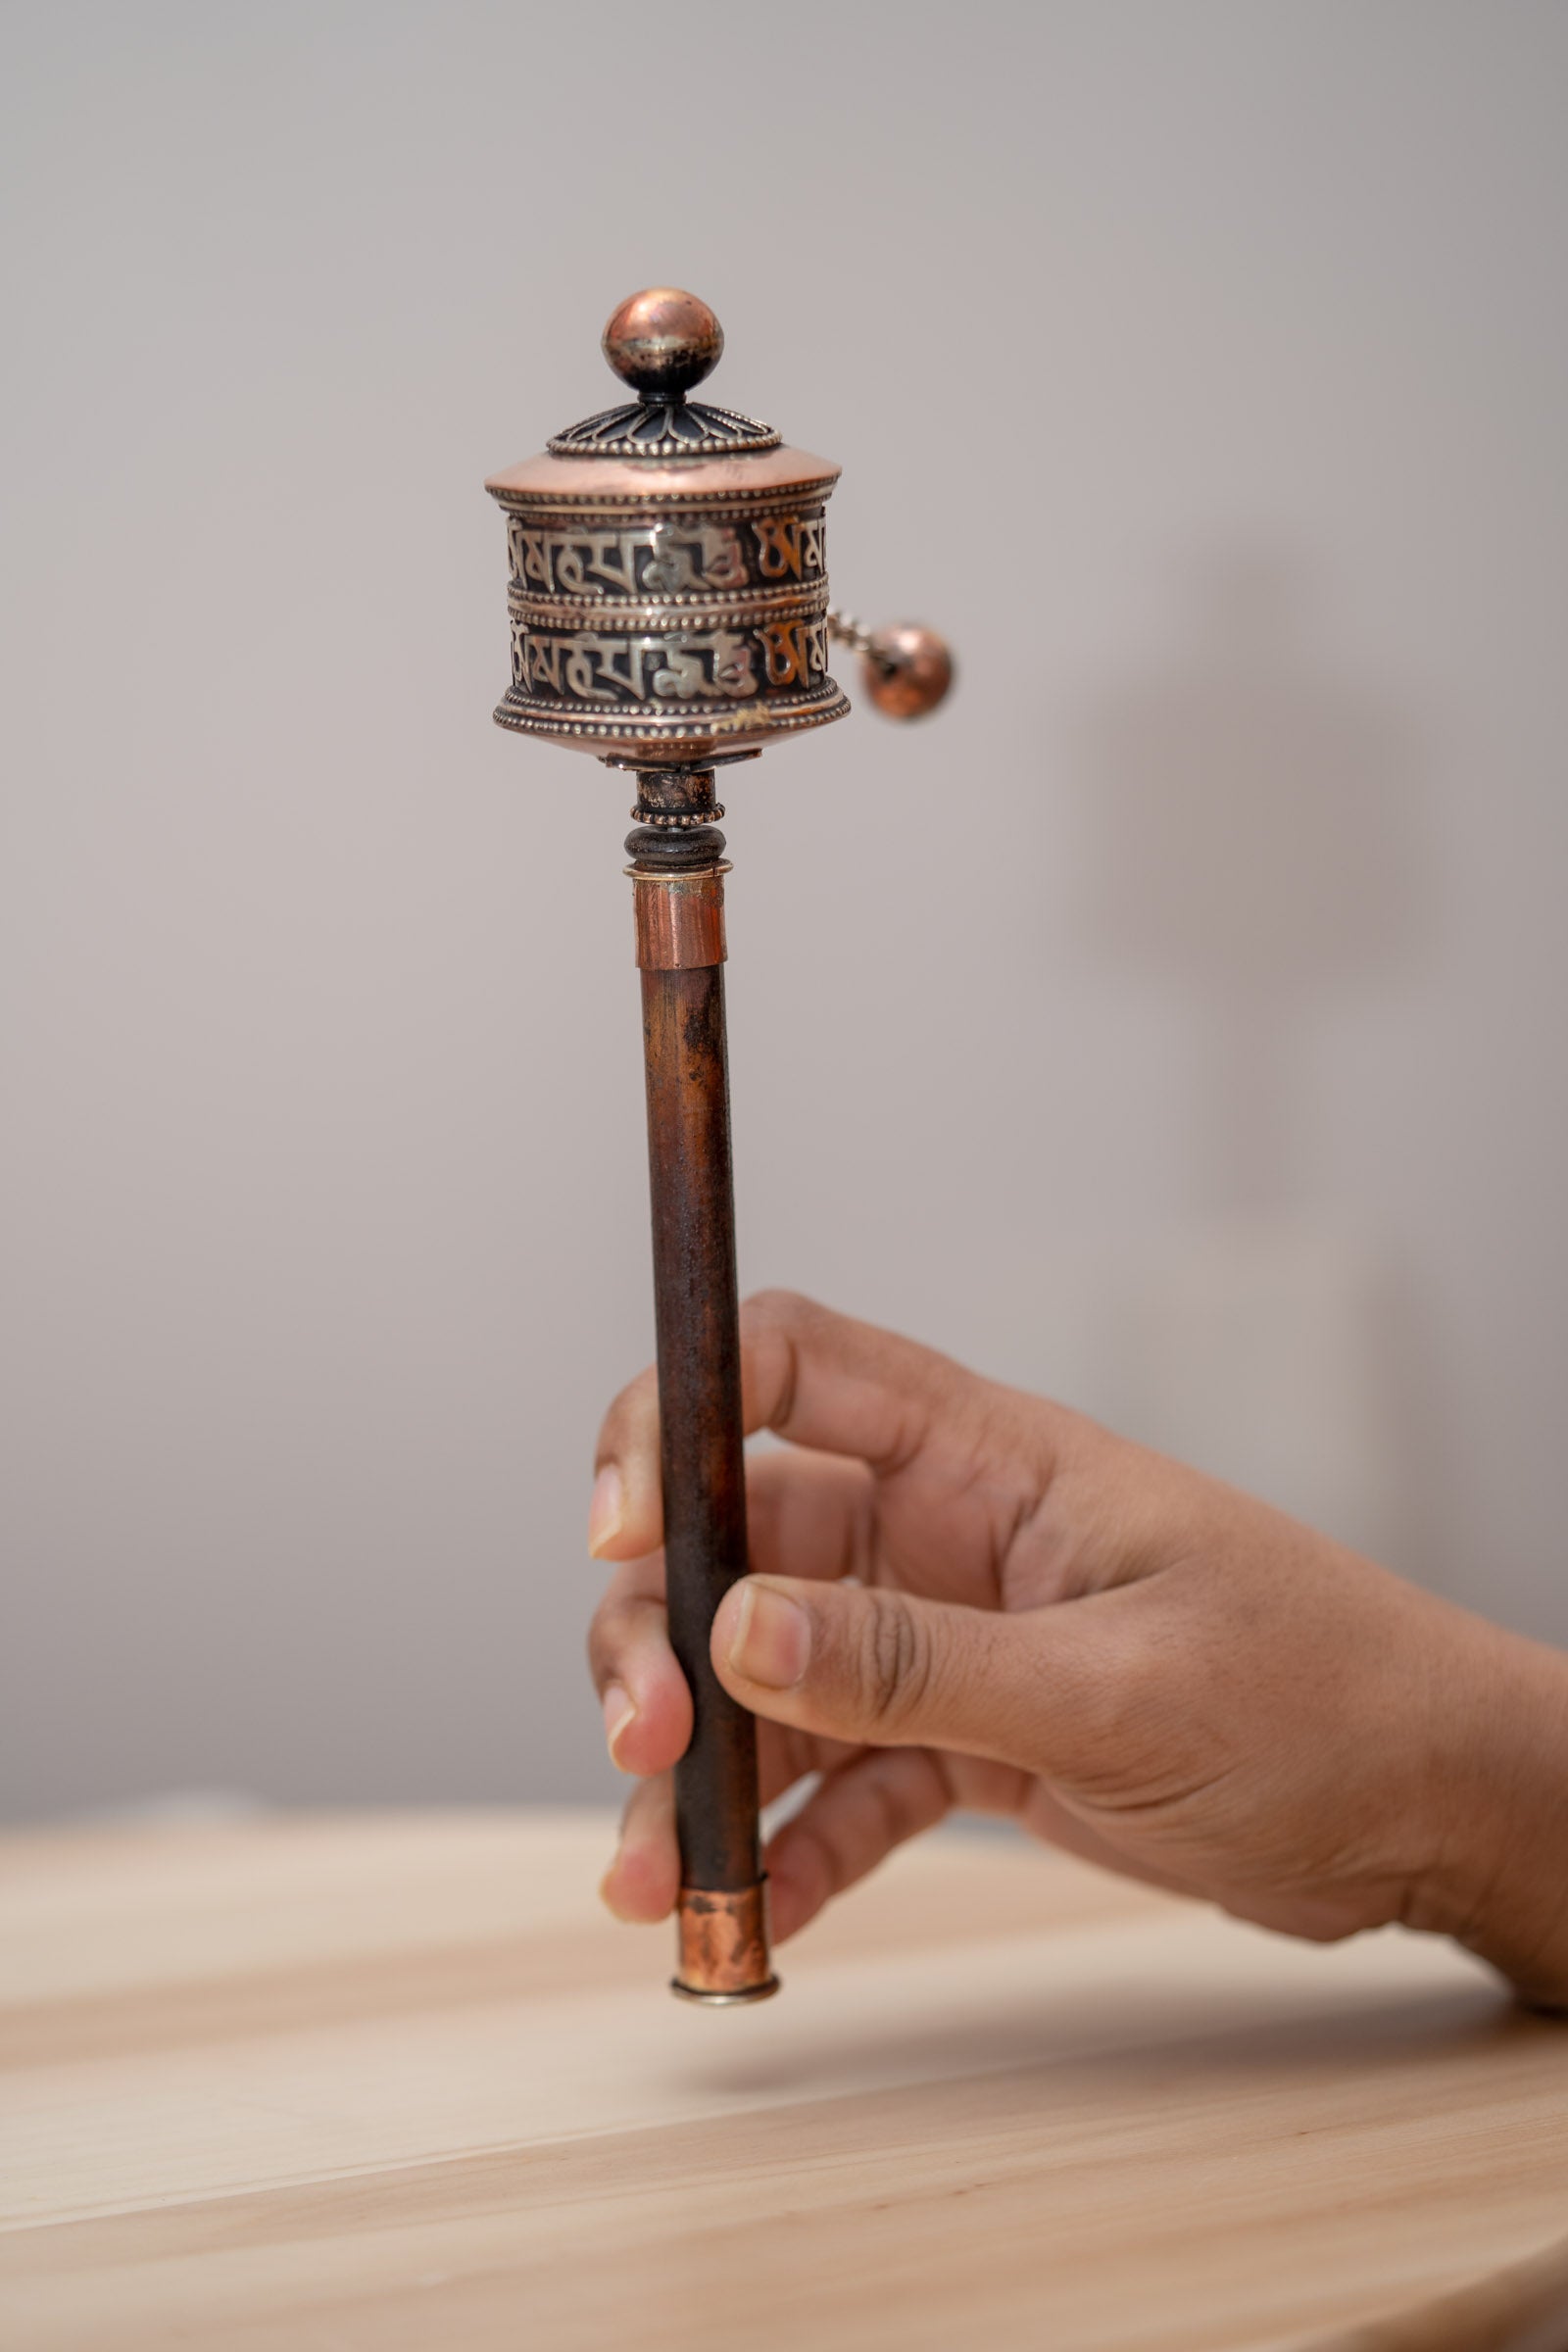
[
  {"x": 618, "y": 1712},
  {"x": 772, "y": 1640},
  {"x": 606, "y": 1507}
]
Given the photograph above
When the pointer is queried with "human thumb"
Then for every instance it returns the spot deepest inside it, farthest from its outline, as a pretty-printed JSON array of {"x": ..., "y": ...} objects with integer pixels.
[{"x": 884, "y": 1668}]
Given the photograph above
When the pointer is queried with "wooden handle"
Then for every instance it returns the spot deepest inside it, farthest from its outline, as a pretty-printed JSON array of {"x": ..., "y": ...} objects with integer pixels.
[{"x": 678, "y": 889}]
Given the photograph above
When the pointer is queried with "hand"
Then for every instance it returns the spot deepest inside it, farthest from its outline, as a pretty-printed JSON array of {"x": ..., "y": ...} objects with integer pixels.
[{"x": 967, "y": 1597}]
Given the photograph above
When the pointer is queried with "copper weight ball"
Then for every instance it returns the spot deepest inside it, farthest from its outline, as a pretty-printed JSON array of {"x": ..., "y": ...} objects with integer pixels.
[{"x": 907, "y": 670}]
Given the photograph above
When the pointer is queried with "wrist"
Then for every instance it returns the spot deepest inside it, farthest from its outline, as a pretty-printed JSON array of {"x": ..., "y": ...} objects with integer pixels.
[{"x": 1506, "y": 1860}]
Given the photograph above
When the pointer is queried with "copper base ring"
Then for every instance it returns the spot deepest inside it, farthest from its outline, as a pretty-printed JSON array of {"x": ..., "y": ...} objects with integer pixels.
[
  {"x": 722, "y": 1956},
  {"x": 724, "y": 2000}
]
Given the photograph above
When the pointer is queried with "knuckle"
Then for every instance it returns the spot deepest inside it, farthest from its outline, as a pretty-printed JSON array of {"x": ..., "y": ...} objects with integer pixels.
[
  {"x": 596, "y": 1656},
  {"x": 615, "y": 1625},
  {"x": 772, "y": 1324},
  {"x": 901, "y": 1805},
  {"x": 895, "y": 1661},
  {"x": 627, "y": 1418},
  {"x": 601, "y": 1650},
  {"x": 776, "y": 1306},
  {"x": 817, "y": 1858}
]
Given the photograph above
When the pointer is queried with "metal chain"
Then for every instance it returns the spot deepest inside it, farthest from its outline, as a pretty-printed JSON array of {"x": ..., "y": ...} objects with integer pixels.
[{"x": 849, "y": 631}]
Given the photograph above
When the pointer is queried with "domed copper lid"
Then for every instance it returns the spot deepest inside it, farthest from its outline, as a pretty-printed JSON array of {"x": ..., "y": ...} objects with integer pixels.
[{"x": 663, "y": 342}]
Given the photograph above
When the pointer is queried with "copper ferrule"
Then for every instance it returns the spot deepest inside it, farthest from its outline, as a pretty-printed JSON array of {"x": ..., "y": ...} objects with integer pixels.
[
  {"x": 680, "y": 918},
  {"x": 722, "y": 1950}
]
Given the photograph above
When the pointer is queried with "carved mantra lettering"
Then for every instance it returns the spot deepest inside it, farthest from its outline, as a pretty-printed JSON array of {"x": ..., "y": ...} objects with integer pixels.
[
  {"x": 688, "y": 665},
  {"x": 795, "y": 651},
  {"x": 663, "y": 560},
  {"x": 788, "y": 544}
]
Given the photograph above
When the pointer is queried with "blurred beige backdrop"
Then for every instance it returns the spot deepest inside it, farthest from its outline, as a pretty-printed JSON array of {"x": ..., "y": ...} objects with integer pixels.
[{"x": 1175, "y": 1024}]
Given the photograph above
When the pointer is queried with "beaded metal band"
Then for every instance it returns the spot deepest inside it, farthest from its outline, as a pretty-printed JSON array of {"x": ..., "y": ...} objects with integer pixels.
[{"x": 675, "y": 817}]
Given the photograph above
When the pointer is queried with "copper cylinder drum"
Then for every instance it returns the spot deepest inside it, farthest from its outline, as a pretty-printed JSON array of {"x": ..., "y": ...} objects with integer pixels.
[
  {"x": 664, "y": 613},
  {"x": 722, "y": 1952}
]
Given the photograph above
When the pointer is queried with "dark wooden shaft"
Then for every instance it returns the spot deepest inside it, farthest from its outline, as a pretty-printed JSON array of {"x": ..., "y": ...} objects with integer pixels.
[
  {"x": 696, "y": 1311},
  {"x": 678, "y": 867}
]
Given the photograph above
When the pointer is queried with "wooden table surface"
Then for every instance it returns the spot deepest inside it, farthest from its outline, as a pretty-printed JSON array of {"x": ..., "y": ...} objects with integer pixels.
[{"x": 395, "y": 2082}]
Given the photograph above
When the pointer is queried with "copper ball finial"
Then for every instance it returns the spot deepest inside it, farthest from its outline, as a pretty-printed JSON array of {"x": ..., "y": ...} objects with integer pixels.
[
  {"x": 663, "y": 342},
  {"x": 907, "y": 669}
]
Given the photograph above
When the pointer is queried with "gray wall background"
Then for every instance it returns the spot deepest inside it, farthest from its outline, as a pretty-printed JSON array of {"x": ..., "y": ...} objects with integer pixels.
[{"x": 1176, "y": 1024}]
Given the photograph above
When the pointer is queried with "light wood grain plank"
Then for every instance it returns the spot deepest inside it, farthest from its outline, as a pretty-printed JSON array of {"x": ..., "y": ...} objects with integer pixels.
[{"x": 397, "y": 2083}]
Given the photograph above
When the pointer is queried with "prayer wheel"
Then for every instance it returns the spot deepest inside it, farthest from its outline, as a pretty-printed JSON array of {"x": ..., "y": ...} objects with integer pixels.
[{"x": 669, "y": 612}]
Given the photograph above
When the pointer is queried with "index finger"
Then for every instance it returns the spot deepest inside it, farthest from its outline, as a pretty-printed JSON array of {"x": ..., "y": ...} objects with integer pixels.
[{"x": 819, "y": 1379}]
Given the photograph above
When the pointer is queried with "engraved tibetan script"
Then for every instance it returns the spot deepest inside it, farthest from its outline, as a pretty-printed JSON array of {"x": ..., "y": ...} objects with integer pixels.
[
  {"x": 595, "y": 668},
  {"x": 788, "y": 544},
  {"x": 796, "y": 651},
  {"x": 666, "y": 558}
]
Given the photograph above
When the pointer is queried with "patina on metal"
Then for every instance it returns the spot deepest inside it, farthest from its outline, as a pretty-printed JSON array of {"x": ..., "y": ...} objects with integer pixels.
[
  {"x": 668, "y": 599},
  {"x": 722, "y": 1956}
]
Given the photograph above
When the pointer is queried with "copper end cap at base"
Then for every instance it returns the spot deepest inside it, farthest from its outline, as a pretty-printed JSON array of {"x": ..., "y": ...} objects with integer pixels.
[{"x": 722, "y": 1954}]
